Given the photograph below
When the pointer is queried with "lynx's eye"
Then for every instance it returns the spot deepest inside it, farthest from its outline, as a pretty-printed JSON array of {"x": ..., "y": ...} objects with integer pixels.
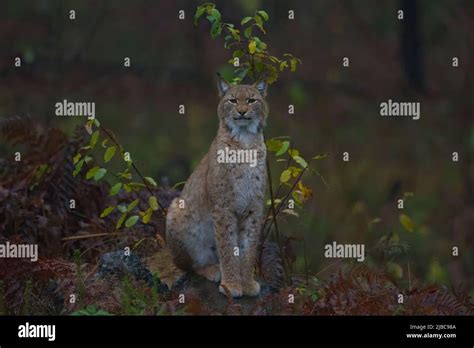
[
  {"x": 251, "y": 100},
  {"x": 233, "y": 101}
]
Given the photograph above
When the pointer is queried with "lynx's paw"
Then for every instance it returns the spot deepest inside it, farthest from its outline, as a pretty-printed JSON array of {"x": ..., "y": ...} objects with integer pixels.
[
  {"x": 234, "y": 289},
  {"x": 251, "y": 288},
  {"x": 211, "y": 272}
]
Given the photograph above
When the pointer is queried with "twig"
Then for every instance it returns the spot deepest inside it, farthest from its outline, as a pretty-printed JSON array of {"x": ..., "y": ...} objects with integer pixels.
[
  {"x": 92, "y": 235},
  {"x": 409, "y": 276},
  {"x": 277, "y": 231},
  {"x": 163, "y": 210},
  {"x": 305, "y": 261},
  {"x": 326, "y": 267},
  {"x": 283, "y": 201},
  {"x": 277, "y": 192}
]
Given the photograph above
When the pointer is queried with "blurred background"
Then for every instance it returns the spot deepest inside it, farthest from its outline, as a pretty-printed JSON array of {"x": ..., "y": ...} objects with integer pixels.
[{"x": 336, "y": 108}]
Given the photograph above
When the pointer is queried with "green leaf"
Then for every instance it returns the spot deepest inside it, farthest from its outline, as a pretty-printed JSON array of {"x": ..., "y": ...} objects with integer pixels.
[
  {"x": 297, "y": 196},
  {"x": 107, "y": 211},
  {"x": 238, "y": 54},
  {"x": 151, "y": 181},
  {"x": 199, "y": 12},
  {"x": 132, "y": 205},
  {"x": 78, "y": 167},
  {"x": 245, "y": 20},
  {"x": 136, "y": 186},
  {"x": 295, "y": 171},
  {"x": 285, "y": 176},
  {"x": 105, "y": 142},
  {"x": 153, "y": 202},
  {"x": 216, "y": 14},
  {"x": 284, "y": 147},
  {"x": 147, "y": 217},
  {"x": 248, "y": 32},
  {"x": 259, "y": 23},
  {"x": 235, "y": 34},
  {"x": 94, "y": 139},
  {"x": 115, "y": 189},
  {"x": 318, "y": 157},
  {"x": 374, "y": 221},
  {"x": 216, "y": 29},
  {"x": 100, "y": 174},
  {"x": 91, "y": 172},
  {"x": 88, "y": 127},
  {"x": 122, "y": 208},
  {"x": 275, "y": 201},
  {"x": 96, "y": 122},
  {"x": 283, "y": 65},
  {"x": 252, "y": 46},
  {"x": 109, "y": 153},
  {"x": 395, "y": 270},
  {"x": 261, "y": 46},
  {"x": 263, "y": 14},
  {"x": 76, "y": 158},
  {"x": 407, "y": 222},
  {"x": 132, "y": 220},
  {"x": 125, "y": 175},
  {"x": 301, "y": 161},
  {"x": 120, "y": 221},
  {"x": 274, "y": 144},
  {"x": 293, "y": 62},
  {"x": 127, "y": 188},
  {"x": 293, "y": 153}
]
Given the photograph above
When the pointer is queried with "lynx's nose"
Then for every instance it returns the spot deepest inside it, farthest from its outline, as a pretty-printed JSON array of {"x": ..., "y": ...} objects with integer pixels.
[{"x": 242, "y": 113}]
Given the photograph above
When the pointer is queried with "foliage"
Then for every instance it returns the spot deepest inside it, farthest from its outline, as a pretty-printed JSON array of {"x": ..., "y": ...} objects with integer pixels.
[
  {"x": 130, "y": 213},
  {"x": 362, "y": 291},
  {"x": 251, "y": 58},
  {"x": 91, "y": 310},
  {"x": 250, "y": 55}
]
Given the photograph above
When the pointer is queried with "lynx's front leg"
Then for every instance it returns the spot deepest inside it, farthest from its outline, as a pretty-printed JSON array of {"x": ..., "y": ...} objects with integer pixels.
[
  {"x": 249, "y": 229},
  {"x": 225, "y": 227}
]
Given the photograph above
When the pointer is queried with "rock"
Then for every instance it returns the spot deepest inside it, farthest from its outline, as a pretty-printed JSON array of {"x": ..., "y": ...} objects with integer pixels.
[
  {"x": 117, "y": 264},
  {"x": 163, "y": 264}
]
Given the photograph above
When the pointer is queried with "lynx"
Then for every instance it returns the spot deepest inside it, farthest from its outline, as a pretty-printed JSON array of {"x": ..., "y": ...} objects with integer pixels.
[{"x": 213, "y": 227}]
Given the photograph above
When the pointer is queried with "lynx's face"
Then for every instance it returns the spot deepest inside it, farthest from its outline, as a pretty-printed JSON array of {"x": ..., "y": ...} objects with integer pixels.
[{"x": 243, "y": 108}]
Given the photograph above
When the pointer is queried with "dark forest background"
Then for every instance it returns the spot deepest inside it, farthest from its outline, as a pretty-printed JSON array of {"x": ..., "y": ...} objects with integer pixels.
[{"x": 336, "y": 108}]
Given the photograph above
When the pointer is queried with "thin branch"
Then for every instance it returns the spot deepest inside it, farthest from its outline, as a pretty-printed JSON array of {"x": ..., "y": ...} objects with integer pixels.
[
  {"x": 285, "y": 199},
  {"x": 277, "y": 231},
  {"x": 163, "y": 210}
]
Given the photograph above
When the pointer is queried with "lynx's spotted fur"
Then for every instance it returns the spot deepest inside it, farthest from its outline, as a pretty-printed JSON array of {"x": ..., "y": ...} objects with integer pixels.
[{"x": 213, "y": 227}]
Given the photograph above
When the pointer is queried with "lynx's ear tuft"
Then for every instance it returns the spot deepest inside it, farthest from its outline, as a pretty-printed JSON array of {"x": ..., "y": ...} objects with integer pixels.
[
  {"x": 261, "y": 86},
  {"x": 222, "y": 85}
]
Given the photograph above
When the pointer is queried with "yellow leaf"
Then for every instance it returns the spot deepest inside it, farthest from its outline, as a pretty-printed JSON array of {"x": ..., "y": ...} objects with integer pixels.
[
  {"x": 407, "y": 222},
  {"x": 147, "y": 216},
  {"x": 252, "y": 47},
  {"x": 285, "y": 176}
]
